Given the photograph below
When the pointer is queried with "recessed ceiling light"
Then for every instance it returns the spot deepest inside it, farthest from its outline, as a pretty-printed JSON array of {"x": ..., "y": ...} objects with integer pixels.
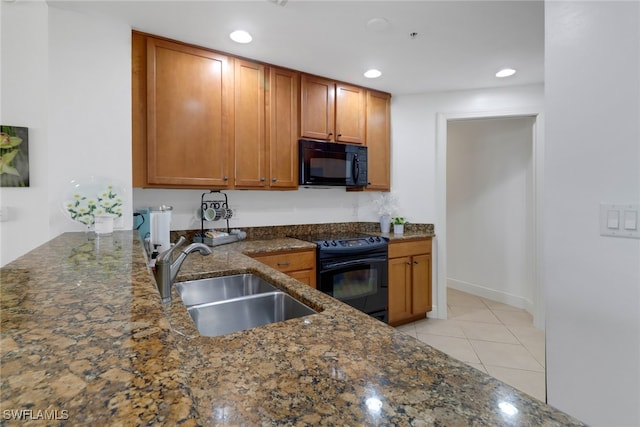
[
  {"x": 377, "y": 24},
  {"x": 372, "y": 73},
  {"x": 240, "y": 36},
  {"x": 506, "y": 72}
]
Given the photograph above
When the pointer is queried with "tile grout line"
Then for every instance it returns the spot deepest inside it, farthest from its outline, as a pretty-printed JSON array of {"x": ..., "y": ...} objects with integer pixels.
[{"x": 501, "y": 322}]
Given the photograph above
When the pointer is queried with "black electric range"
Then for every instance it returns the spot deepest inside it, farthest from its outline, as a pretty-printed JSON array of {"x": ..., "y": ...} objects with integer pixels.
[{"x": 352, "y": 267}]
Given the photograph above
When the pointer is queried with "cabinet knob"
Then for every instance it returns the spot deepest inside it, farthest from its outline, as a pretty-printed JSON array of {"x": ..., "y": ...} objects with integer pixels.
[
  {"x": 330, "y": 133},
  {"x": 408, "y": 263},
  {"x": 415, "y": 262},
  {"x": 339, "y": 134},
  {"x": 262, "y": 179},
  {"x": 226, "y": 178},
  {"x": 274, "y": 179}
]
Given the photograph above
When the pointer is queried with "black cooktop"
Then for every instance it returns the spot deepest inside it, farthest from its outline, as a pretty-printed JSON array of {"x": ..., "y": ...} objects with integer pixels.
[{"x": 343, "y": 240}]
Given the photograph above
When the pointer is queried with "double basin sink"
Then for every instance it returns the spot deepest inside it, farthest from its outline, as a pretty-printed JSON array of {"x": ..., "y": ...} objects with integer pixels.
[{"x": 222, "y": 305}]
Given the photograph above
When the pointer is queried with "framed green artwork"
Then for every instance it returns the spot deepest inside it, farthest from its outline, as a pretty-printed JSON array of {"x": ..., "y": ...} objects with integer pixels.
[{"x": 14, "y": 156}]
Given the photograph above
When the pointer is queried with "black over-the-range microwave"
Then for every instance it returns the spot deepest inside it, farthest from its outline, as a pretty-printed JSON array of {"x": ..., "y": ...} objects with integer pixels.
[{"x": 332, "y": 164}]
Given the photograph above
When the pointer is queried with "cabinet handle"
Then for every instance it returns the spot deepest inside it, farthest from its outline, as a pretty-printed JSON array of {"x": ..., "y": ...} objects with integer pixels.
[
  {"x": 408, "y": 262},
  {"x": 339, "y": 135},
  {"x": 262, "y": 179},
  {"x": 274, "y": 179},
  {"x": 284, "y": 264},
  {"x": 330, "y": 133},
  {"x": 226, "y": 178},
  {"x": 415, "y": 262}
]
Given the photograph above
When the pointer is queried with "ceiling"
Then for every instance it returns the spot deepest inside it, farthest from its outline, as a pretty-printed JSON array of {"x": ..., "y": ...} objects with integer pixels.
[{"x": 459, "y": 45}]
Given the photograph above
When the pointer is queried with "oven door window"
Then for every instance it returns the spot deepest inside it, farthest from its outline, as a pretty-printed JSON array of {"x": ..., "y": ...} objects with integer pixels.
[
  {"x": 360, "y": 283},
  {"x": 352, "y": 284}
]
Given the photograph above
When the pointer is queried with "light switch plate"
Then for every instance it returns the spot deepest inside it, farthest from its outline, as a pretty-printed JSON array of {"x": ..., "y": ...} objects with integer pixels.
[{"x": 620, "y": 220}]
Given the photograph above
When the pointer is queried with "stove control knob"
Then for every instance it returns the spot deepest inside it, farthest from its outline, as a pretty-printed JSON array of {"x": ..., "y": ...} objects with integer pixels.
[
  {"x": 325, "y": 243},
  {"x": 333, "y": 243},
  {"x": 371, "y": 239},
  {"x": 378, "y": 239}
]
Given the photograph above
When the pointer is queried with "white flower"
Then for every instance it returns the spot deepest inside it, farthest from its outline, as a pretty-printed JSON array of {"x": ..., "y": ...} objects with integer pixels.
[
  {"x": 106, "y": 203},
  {"x": 385, "y": 204}
]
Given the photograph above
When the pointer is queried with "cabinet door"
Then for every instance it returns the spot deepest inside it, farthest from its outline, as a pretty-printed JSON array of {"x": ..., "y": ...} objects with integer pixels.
[
  {"x": 350, "y": 114},
  {"x": 189, "y": 112},
  {"x": 138, "y": 110},
  {"x": 421, "y": 283},
  {"x": 378, "y": 140},
  {"x": 250, "y": 150},
  {"x": 317, "y": 109},
  {"x": 308, "y": 277},
  {"x": 282, "y": 122},
  {"x": 399, "y": 289}
]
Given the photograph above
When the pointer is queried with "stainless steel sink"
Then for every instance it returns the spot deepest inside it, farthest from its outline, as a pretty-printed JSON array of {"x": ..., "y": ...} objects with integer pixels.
[
  {"x": 222, "y": 305},
  {"x": 225, "y": 317},
  {"x": 214, "y": 289}
]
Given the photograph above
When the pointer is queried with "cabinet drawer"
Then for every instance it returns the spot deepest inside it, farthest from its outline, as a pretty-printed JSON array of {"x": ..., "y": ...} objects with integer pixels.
[
  {"x": 289, "y": 261},
  {"x": 413, "y": 247}
]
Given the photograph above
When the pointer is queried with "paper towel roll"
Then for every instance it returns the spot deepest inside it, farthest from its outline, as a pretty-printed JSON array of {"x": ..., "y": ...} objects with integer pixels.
[{"x": 160, "y": 227}]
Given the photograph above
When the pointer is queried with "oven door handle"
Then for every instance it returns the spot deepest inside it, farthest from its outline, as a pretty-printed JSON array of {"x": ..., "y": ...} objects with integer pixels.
[{"x": 342, "y": 264}]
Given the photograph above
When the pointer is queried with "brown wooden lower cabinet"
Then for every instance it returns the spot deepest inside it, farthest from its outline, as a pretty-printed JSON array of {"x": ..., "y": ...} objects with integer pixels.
[
  {"x": 409, "y": 281},
  {"x": 299, "y": 264}
]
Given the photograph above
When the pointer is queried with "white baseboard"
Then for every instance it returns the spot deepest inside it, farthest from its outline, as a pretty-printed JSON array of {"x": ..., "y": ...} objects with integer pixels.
[
  {"x": 492, "y": 294},
  {"x": 434, "y": 314}
]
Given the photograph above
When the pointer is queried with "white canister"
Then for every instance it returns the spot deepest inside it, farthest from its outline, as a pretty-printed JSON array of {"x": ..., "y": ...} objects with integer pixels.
[{"x": 160, "y": 227}]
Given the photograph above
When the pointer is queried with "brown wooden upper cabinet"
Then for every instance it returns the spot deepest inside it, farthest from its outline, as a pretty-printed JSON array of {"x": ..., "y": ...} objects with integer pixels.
[
  {"x": 378, "y": 140},
  {"x": 332, "y": 111},
  {"x": 205, "y": 119},
  {"x": 282, "y": 128},
  {"x": 250, "y": 147},
  {"x": 189, "y": 116},
  {"x": 265, "y": 126}
]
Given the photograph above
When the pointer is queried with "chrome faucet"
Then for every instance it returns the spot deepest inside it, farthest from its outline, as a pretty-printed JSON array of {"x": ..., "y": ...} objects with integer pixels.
[{"x": 166, "y": 271}]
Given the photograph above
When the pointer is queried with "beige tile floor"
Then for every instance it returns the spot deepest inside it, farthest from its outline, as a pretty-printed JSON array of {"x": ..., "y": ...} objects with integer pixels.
[{"x": 496, "y": 338}]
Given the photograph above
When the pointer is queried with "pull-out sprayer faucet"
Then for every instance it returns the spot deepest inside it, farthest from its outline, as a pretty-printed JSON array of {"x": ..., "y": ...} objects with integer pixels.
[{"x": 166, "y": 271}]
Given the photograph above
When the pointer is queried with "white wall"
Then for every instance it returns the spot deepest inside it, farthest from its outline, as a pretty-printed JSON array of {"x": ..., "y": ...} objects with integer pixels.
[
  {"x": 490, "y": 209},
  {"x": 414, "y": 137},
  {"x": 592, "y": 142},
  {"x": 262, "y": 208},
  {"x": 89, "y": 108},
  {"x": 24, "y": 103},
  {"x": 416, "y": 176},
  {"x": 67, "y": 77}
]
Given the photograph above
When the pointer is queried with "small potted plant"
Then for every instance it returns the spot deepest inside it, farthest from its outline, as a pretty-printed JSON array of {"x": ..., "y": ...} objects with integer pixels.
[{"x": 398, "y": 224}]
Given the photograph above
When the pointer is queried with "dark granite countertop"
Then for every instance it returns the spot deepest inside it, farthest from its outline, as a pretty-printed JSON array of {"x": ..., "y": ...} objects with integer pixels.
[{"x": 85, "y": 339}]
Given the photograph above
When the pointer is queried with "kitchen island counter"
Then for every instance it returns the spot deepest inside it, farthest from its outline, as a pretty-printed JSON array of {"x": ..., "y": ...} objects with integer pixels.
[{"x": 86, "y": 338}]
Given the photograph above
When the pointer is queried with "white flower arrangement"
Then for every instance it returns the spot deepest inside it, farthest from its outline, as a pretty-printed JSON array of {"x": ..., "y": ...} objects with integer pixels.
[
  {"x": 385, "y": 204},
  {"x": 84, "y": 209}
]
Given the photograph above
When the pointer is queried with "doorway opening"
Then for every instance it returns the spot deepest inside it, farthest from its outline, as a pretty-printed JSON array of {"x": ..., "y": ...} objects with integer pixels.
[{"x": 534, "y": 302}]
